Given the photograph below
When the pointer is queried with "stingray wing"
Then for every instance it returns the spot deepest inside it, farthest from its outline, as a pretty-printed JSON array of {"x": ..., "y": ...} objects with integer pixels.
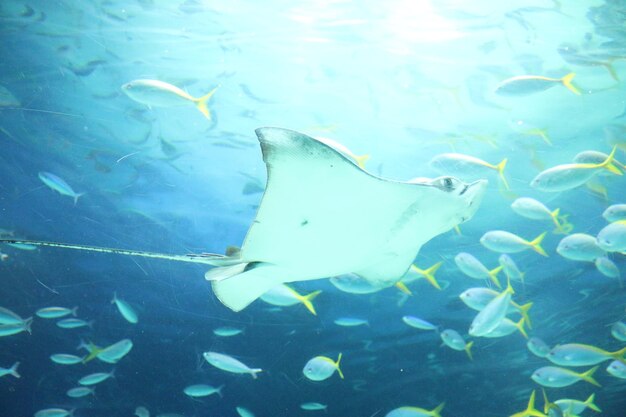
[{"x": 322, "y": 215}]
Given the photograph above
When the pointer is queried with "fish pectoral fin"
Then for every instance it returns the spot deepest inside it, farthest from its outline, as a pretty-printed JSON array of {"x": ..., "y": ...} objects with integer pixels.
[{"x": 240, "y": 289}]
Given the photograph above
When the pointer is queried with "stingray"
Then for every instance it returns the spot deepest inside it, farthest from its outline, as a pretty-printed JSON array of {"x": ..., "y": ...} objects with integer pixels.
[{"x": 320, "y": 216}]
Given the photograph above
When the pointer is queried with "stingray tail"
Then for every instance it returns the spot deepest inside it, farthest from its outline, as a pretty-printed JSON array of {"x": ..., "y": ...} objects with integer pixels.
[{"x": 204, "y": 258}]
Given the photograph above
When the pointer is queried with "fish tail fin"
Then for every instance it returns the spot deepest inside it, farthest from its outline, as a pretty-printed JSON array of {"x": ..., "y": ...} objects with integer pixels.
[
  {"x": 555, "y": 217},
  {"x": 77, "y": 196},
  {"x": 306, "y": 300},
  {"x": 457, "y": 229},
  {"x": 546, "y": 403},
  {"x": 239, "y": 290},
  {"x": 429, "y": 274},
  {"x": 337, "y": 365},
  {"x": 13, "y": 370},
  {"x": 608, "y": 163},
  {"x": 509, "y": 287},
  {"x": 500, "y": 168},
  {"x": 530, "y": 408},
  {"x": 468, "y": 349},
  {"x": 588, "y": 376},
  {"x": 27, "y": 323},
  {"x": 361, "y": 160},
  {"x": 619, "y": 355},
  {"x": 543, "y": 134},
  {"x": 74, "y": 310},
  {"x": 520, "y": 326},
  {"x": 590, "y": 404},
  {"x": 219, "y": 390},
  {"x": 563, "y": 226},
  {"x": 436, "y": 412},
  {"x": 254, "y": 372},
  {"x": 611, "y": 69},
  {"x": 523, "y": 310},
  {"x": 201, "y": 103},
  {"x": 402, "y": 287},
  {"x": 493, "y": 276},
  {"x": 535, "y": 244},
  {"x": 567, "y": 82}
]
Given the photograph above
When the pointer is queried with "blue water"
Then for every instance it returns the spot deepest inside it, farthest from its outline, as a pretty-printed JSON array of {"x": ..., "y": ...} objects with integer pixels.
[{"x": 402, "y": 81}]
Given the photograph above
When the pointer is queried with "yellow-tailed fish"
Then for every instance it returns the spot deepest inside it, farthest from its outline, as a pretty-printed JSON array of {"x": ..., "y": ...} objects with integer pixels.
[
  {"x": 320, "y": 368},
  {"x": 522, "y": 85},
  {"x": 467, "y": 166},
  {"x": 507, "y": 327},
  {"x": 472, "y": 267},
  {"x": 555, "y": 377},
  {"x": 283, "y": 295},
  {"x": 510, "y": 268},
  {"x": 536, "y": 210},
  {"x": 574, "y": 407},
  {"x": 492, "y": 315},
  {"x": 59, "y": 185},
  {"x": 580, "y": 247},
  {"x": 568, "y": 176},
  {"x": 416, "y": 412},
  {"x": 229, "y": 364},
  {"x": 454, "y": 340},
  {"x": 507, "y": 242},
  {"x": 161, "y": 94},
  {"x": 577, "y": 354},
  {"x": 125, "y": 309}
]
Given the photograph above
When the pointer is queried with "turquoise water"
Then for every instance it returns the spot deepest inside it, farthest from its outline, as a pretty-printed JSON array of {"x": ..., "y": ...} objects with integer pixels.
[{"x": 401, "y": 81}]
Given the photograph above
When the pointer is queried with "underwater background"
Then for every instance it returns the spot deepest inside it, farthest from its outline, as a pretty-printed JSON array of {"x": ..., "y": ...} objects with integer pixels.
[{"x": 401, "y": 81}]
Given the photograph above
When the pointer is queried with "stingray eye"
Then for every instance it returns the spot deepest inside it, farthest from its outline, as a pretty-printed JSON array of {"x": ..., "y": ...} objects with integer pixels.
[{"x": 446, "y": 183}]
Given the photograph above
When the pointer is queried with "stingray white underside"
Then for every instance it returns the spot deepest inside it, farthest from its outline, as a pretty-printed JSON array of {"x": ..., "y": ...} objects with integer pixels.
[{"x": 321, "y": 215}]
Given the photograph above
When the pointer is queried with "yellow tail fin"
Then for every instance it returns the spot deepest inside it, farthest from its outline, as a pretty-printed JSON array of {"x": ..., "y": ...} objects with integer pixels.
[
  {"x": 429, "y": 273},
  {"x": 588, "y": 376},
  {"x": 609, "y": 67},
  {"x": 520, "y": 327},
  {"x": 201, "y": 103},
  {"x": 608, "y": 163},
  {"x": 590, "y": 404},
  {"x": 493, "y": 276},
  {"x": 436, "y": 412},
  {"x": 500, "y": 168},
  {"x": 402, "y": 287},
  {"x": 619, "y": 355},
  {"x": 337, "y": 365},
  {"x": 306, "y": 300},
  {"x": 361, "y": 160},
  {"x": 523, "y": 310},
  {"x": 468, "y": 349},
  {"x": 536, "y": 244},
  {"x": 567, "y": 82}
]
